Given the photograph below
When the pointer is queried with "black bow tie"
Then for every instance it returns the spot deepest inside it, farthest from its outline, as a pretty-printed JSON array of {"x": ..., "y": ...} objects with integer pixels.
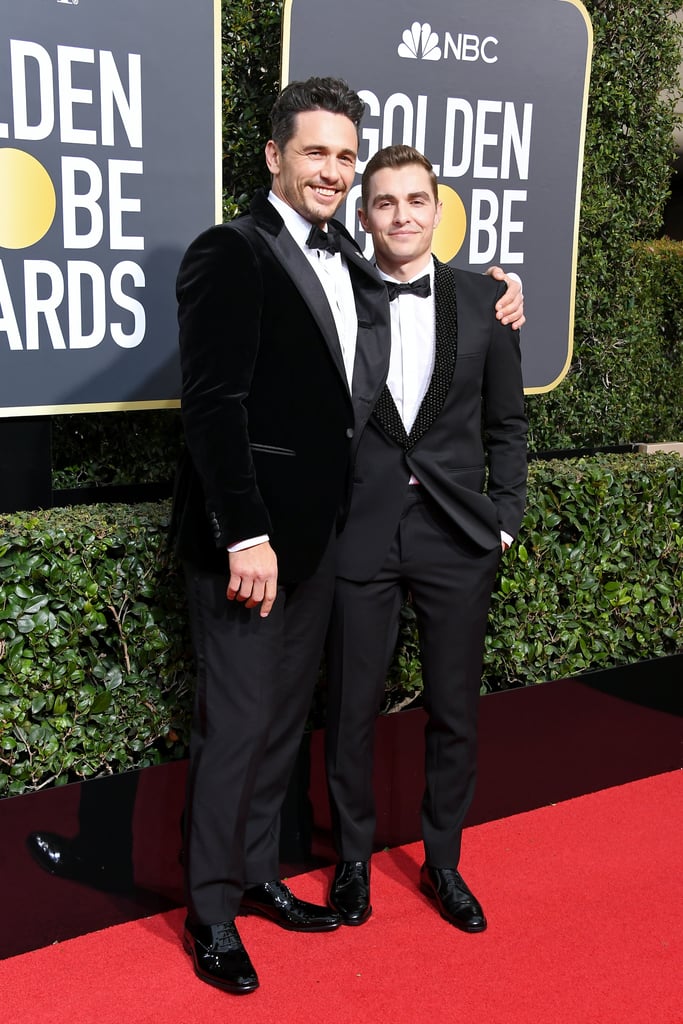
[
  {"x": 421, "y": 287},
  {"x": 326, "y": 240}
]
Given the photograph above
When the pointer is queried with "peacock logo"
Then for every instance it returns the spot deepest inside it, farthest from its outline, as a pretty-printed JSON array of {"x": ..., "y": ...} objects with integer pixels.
[{"x": 419, "y": 42}]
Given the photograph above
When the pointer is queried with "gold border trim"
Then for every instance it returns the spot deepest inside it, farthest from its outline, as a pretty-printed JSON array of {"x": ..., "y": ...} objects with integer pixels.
[
  {"x": 577, "y": 205},
  {"x": 217, "y": 108},
  {"x": 54, "y": 410},
  {"x": 286, "y": 35}
]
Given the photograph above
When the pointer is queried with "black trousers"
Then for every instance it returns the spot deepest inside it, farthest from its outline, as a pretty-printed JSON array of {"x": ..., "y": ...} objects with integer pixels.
[
  {"x": 255, "y": 680},
  {"x": 450, "y": 582}
]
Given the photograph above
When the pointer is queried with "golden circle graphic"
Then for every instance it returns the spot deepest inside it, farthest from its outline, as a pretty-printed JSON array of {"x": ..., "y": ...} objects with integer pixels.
[
  {"x": 450, "y": 233},
  {"x": 27, "y": 200}
]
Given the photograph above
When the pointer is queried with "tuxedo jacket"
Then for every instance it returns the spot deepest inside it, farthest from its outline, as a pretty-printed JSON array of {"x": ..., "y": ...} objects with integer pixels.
[
  {"x": 267, "y": 413},
  {"x": 467, "y": 446}
]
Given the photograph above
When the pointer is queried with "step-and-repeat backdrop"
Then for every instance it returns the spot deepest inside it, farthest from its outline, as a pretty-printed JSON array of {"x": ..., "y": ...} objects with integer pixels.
[
  {"x": 110, "y": 165},
  {"x": 494, "y": 94},
  {"x": 109, "y": 159}
]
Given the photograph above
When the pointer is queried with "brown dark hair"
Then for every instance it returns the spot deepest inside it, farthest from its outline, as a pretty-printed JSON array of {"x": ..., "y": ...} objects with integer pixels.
[
  {"x": 392, "y": 157},
  {"x": 332, "y": 94}
]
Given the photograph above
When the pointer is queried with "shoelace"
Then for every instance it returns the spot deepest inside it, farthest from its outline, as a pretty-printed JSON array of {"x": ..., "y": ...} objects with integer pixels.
[
  {"x": 453, "y": 879},
  {"x": 280, "y": 893},
  {"x": 225, "y": 938},
  {"x": 353, "y": 870}
]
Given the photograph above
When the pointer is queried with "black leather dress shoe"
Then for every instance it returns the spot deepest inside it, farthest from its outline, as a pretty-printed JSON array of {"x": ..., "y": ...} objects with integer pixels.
[
  {"x": 274, "y": 901},
  {"x": 350, "y": 891},
  {"x": 219, "y": 957},
  {"x": 456, "y": 903},
  {"x": 66, "y": 858}
]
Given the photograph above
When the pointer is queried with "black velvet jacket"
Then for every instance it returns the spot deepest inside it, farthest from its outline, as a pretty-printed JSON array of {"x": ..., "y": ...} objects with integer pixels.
[{"x": 268, "y": 418}]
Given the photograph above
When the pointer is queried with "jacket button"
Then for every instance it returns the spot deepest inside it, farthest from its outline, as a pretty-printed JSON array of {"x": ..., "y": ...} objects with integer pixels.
[{"x": 349, "y": 432}]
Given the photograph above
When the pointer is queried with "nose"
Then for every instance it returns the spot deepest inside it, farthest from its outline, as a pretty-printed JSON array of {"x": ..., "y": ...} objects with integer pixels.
[
  {"x": 401, "y": 212},
  {"x": 330, "y": 169}
]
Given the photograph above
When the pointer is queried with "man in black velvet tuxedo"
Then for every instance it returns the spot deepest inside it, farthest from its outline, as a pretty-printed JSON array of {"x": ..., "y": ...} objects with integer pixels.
[
  {"x": 284, "y": 349},
  {"x": 438, "y": 491},
  {"x": 284, "y": 340}
]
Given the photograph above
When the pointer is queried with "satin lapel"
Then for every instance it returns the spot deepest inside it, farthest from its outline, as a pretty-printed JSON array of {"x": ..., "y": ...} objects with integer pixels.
[
  {"x": 271, "y": 228},
  {"x": 446, "y": 312}
]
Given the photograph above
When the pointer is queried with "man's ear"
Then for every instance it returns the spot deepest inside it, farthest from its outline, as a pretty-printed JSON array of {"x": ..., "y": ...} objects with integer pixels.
[
  {"x": 438, "y": 214},
  {"x": 272, "y": 157},
  {"x": 363, "y": 220}
]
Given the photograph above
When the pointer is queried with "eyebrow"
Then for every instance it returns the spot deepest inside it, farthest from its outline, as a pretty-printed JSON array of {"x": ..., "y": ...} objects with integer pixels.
[
  {"x": 381, "y": 196},
  {"x": 329, "y": 149}
]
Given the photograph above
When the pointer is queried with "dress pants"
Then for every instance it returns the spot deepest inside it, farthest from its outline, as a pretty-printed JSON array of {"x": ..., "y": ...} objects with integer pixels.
[
  {"x": 450, "y": 581},
  {"x": 255, "y": 680}
]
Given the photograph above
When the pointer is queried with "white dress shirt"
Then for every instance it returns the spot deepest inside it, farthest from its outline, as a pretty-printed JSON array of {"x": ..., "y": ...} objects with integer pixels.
[{"x": 413, "y": 347}]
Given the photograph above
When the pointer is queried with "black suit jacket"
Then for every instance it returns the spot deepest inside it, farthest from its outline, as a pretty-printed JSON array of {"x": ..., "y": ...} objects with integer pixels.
[
  {"x": 267, "y": 413},
  {"x": 467, "y": 446}
]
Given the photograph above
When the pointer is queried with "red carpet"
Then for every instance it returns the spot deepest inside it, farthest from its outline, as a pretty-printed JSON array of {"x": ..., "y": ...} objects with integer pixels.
[{"x": 584, "y": 906}]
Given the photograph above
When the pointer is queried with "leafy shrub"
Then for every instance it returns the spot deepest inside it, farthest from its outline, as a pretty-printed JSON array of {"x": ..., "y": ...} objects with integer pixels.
[
  {"x": 594, "y": 580},
  {"x": 250, "y": 69},
  {"x": 95, "y": 663},
  {"x": 621, "y": 322},
  {"x": 99, "y": 449},
  {"x": 94, "y": 660}
]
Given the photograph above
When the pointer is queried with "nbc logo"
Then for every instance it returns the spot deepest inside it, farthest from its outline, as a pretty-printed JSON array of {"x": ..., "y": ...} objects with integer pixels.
[{"x": 420, "y": 41}]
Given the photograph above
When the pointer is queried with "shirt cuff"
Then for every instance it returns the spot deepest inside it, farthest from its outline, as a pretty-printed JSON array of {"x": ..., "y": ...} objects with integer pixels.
[
  {"x": 241, "y": 545},
  {"x": 506, "y": 538}
]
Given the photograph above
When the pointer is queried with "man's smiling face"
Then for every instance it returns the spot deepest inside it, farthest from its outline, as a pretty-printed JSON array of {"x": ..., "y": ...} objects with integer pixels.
[
  {"x": 402, "y": 213},
  {"x": 315, "y": 170}
]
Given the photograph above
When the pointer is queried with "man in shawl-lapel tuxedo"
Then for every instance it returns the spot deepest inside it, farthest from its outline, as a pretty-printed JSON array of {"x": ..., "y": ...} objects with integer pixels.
[{"x": 438, "y": 492}]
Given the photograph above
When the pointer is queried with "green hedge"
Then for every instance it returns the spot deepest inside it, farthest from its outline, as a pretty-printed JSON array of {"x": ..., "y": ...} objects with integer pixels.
[
  {"x": 624, "y": 387},
  {"x": 250, "y": 67},
  {"x": 622, "y": 331},
  {"x": 101, "y": 449},
  {"x": 95, "y": 663},
  {"x": 595, "y": 580},
  {"x": 95, "y": 668}
]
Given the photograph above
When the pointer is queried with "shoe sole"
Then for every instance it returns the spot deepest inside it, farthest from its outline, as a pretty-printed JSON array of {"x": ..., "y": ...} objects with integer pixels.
[
  {"x": 234, "y": 990},
  {"x": 429, "y": 892}
]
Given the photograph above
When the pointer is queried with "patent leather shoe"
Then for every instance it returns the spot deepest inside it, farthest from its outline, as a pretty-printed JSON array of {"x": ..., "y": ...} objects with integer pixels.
[
  {"x": 350, "y": 891},
  {"x": 218, "y": 956},
  {"x": 456, "y": 903},
  {"x": 274, "y": 901}
]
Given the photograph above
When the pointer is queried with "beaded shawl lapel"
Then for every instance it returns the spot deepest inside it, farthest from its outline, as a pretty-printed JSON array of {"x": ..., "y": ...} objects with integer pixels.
[{"x": 446, "y": 314}]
